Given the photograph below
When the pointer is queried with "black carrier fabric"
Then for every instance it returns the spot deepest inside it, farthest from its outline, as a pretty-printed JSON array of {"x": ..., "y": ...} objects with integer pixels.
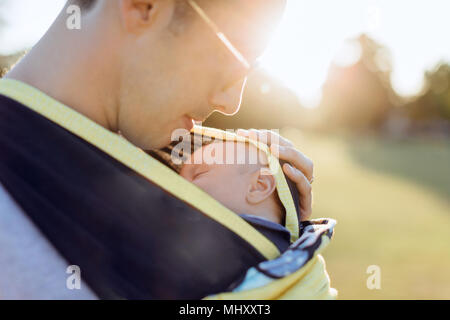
[{"x": 131, "y": 239}]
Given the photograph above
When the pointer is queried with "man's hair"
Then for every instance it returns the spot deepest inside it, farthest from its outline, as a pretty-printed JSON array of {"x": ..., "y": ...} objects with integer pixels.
[
  {"x": 182, "y": 8},
  {"x": 181, "y": 15},
  {"x": 87, "y": 4},
  {"x": 84, "y": 4}
]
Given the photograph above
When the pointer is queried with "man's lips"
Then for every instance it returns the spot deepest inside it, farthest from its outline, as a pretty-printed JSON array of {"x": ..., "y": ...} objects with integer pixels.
[
  {"x": 188, "y": 123},
  {"x": 196, "y": 121}
]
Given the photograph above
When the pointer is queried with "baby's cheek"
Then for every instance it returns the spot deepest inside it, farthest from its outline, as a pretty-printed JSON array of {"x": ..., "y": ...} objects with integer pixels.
[
  {"x": 210, "y": 185},
  {"x": 204, "y": 184}
]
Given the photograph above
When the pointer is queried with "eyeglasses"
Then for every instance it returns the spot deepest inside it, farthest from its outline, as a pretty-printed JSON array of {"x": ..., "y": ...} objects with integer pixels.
[{"x": 222, "y": 37}]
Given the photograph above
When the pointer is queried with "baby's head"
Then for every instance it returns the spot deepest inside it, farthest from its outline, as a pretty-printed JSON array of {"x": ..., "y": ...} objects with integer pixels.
[{"x": 237, "y": 175}]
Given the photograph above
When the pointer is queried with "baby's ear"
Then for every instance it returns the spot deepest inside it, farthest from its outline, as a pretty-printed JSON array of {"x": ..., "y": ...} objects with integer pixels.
[{"x": 262, "y": 186}]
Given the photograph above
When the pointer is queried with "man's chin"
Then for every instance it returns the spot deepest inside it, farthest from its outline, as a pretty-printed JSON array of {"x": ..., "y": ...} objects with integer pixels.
[
  {"x": 159, "y": 144},
  {"x": 166, "y": 139},
  {"x": 159, "y": 140}
]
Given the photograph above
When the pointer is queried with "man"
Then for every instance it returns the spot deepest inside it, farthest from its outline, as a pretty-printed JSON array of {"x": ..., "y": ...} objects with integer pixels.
[{"x": 141, "y": 68}]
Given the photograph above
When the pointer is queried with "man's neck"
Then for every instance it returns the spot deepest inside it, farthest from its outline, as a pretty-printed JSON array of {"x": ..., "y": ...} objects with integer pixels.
[{"x": 67, "y": 66}]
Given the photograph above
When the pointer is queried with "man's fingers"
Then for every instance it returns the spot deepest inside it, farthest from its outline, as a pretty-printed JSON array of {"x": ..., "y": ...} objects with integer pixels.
[
  {"x": 304, "y": 188},
  {"x": 300, "y": 168},
  {"x": 296, "y": 159}
]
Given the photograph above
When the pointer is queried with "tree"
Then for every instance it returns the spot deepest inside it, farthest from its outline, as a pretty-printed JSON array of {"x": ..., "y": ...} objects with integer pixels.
[
  {"x": 2, "y": 18},
  {"x": 3, "y": 65},
  {"x": 359, "y": 96},
  {"x": 434, "y": 102}
]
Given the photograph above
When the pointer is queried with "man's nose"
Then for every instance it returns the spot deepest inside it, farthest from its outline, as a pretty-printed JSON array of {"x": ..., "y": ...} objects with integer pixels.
[{"x": 228, "y": 101}]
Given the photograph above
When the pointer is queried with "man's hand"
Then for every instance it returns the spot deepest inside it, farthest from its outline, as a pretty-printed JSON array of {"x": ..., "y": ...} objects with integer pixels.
[{"x": 300, "y": 168}]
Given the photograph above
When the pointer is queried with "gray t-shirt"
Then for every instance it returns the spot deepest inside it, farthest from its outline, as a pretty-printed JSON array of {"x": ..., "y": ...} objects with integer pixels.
[{"x": 30, "y": 267}]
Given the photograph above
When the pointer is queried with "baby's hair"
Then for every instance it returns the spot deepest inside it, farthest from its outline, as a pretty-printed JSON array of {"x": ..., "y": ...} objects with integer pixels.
[
  {"x": 164, "y": 155},
  {"x": 198, "y": 141}
]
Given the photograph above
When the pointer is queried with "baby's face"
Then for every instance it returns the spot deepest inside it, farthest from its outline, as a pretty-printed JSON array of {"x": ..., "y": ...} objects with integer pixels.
[{"x": 226, "y": 181}]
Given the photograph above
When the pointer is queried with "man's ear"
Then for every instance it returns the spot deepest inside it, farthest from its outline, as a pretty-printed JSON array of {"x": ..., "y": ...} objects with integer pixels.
[
  {"x": 262, "y": 186},
  {"x": 139, "y": 15}
]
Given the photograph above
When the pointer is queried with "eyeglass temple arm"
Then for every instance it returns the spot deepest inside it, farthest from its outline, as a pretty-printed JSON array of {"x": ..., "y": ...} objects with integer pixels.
[{"x": 219, "y": 34}]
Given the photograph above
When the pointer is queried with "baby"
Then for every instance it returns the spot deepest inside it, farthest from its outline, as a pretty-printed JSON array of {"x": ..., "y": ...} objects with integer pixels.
[{"x": 225, "y": 171}]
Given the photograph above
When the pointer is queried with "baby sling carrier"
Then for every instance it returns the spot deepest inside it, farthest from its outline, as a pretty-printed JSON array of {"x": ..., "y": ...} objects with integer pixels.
[{"x": 136, "y": 229}]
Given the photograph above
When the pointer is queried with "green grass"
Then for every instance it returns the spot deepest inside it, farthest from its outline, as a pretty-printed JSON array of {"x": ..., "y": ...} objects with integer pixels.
[{"x": 391, "y": 201}]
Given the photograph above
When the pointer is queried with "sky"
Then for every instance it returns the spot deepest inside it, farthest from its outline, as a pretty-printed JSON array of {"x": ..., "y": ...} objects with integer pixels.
[{"x": 311, "y": 35}]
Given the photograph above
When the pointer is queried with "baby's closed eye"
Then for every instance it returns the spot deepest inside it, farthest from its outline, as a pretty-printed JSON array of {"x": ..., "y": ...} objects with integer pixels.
[{"x": 200, "y": 172}]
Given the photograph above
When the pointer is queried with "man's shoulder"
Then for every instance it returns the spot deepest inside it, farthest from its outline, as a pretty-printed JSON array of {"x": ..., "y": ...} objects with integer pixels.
[{"x": 31, "y": 267}]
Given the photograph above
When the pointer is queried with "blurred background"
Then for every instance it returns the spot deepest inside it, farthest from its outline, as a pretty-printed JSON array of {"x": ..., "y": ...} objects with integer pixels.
[{"x": 363, "y": 88}]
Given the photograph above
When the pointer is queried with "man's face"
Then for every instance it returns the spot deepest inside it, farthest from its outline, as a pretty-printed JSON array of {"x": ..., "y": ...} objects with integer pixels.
[{"x": 170, "y": 78}]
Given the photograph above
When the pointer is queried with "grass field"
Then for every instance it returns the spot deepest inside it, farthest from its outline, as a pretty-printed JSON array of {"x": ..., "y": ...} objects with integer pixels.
[{"x": 391, "y": 201}]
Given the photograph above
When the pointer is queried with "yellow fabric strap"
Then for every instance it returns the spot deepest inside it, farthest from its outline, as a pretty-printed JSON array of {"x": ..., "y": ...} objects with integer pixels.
[
  {"x": 309, "y": 283},
  {"x": 137, "y": 160},
  {"x": 284, "y": 193}
]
